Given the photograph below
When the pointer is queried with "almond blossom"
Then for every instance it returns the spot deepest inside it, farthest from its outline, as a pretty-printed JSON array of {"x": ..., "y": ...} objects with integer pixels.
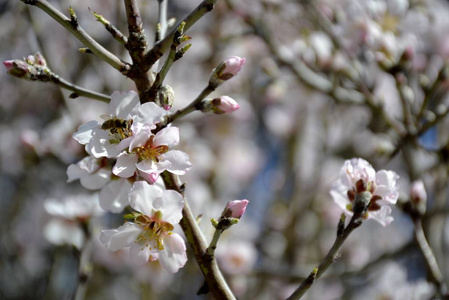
[
  {"x": 356, "y": 176},
  {"x": 150, "y": 154},
  {"x": 103, "y": 140},
  {"x": 150, "y": 236}
]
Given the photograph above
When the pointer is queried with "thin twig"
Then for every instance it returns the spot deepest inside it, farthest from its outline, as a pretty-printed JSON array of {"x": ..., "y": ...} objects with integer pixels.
[
  {"x": 160, "y": 48},
  {"x": 426, "y": 250},
  {"x": 209, "y": 267},
  {"x": 80, "y": 34},
  {"x": 162, "y": 20}
]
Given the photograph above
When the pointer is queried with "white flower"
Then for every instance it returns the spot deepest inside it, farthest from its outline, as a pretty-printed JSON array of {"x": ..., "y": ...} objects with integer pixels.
[
  {"x": 94, "y": 174},
  {"x": 151, "y": 155},
  {"x": 356, "y": 176},
  {"x": 91, "y": 173},
  {"x": 150, "y": 236},
  {"x": 103, "y": 140}
]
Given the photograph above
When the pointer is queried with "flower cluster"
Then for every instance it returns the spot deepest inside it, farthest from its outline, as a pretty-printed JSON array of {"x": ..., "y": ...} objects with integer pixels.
[
  {"x": 358, "y": 176},
  {"x": 126, "y": 148}
]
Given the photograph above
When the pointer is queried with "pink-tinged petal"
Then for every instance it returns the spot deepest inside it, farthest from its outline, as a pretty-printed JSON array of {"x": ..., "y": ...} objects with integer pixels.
[
  {"x": 168, "y": 136},
  {"x": 174, "y": 255},
  {"x": 149, "y": 177},
  {"x": 85, "y": 132},
  {"x": 179, "y": 160},
  {"x": 143, "y": 196},
  {"x": 125, "y": 165},
  {"x": 171, "y": 206},
  {"x": 150, "y": 113},
  {"x": 114, "y": 196},
  {"x": 382, "y": 215},
  {"x": 124, "y": 236},
  {"x": 96, "y": 180},
  {"x": 140, "y": 254},
  {"x": 386, "y": 186},
  {"x": 123, "y": 104}
]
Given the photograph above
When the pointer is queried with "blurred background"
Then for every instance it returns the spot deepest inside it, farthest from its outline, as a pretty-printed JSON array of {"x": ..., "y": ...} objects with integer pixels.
[{"x": 324, "y": 81}]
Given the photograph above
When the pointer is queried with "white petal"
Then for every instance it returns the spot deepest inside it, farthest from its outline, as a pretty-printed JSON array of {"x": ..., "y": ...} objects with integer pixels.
[
  {"x": 382, "y": 215},
  {"x": 114, "y": 196},
  {"x": 141, "y": 136},
  {"x": 140, "y": 254},
  {"x": 171, "y": 206},
  {"x": 179, "y": 160},
  {"x": 142, "y": 197},
  {"x": 60, "y": 232},
  {"x": 150, "y": 113},
  {"x": 84, "y": 133},
  {"x": 339, "y": 194},
  {"x": 123, "y": 236},
  {"x": 96, "y": 180},
  {"x": 174, "y": 255},
  {"x": 125, "y": 165},
  {"x": 123, "y": 104},
  {"x": 74, "y": 172},
  {"x": 168, "y": 136}
]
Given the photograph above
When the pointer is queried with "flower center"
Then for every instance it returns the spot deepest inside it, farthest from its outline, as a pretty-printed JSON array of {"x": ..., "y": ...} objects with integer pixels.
[
  {"x": 153, "y": 232},
  {"x": 149, "y": 151}
]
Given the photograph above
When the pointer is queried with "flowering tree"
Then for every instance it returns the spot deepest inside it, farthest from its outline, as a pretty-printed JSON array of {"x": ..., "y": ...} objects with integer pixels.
[{"x": 324, "y": 89}]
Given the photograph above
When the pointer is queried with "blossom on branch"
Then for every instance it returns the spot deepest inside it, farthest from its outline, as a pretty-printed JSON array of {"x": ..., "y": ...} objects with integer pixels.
[
  {"x": 150, "y": 235},
  {"x": 358, "y": 176}
]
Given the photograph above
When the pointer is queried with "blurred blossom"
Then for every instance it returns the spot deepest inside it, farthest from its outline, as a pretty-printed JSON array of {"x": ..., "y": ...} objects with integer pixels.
[
  {"x": 65, "y": 226},
  {"x": 391, "y": 281},
  {"x": 236, "y": 256},
  {"x": 357, "y": 176}
]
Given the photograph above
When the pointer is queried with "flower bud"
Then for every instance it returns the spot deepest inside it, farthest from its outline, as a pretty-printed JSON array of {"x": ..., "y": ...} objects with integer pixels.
[
  {"x": 40, "y": 60},
  {"x": 227, "y": 69},
  {"x": 418, "y": 196},
  {"x": 165, "y": 97},
  {"x": 235, "y": 209},
  {"x": 17, "y": 68},
  {"x": 30, "y": 59},
  {"x": 224, "y": 105},
  {"x": 221, "y": 105}
]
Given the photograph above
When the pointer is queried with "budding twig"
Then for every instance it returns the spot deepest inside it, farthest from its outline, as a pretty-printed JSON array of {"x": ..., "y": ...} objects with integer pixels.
[
  {"x": 116, "y": 34},
  {"x": 81, "y": 35},
  {"x": 162, "y": 20},
  {"x": 208, "y": 265},
  {"x": 161, "y": 47},
  {"x": 333, "y": 254}
]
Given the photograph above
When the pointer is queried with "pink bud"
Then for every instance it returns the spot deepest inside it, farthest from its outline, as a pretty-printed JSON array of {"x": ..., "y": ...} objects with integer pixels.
[
  {"x": 30, "y": 59},
  {"x": 233, "y": 65},
  {"x": 418, "y": 192},
  {"x": 9, "y": 64},
  {"x": 235, "y": 209},
  {"x": 224, "y": 105},
  {"x": 40, "y": 60},
  {"x": 227, "y": 69},
  {"x": 17, "y": 68},
  {"x": 149, "y": 177}
]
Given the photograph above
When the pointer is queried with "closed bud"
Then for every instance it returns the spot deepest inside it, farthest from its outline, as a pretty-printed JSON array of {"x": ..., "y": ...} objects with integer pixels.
[
  {"x": 227, "y": 69},
  {"x": 17, "y": 68},
  {"x": 221, "y": 105},
  {"x": 418, "y": 196},
  {"x": 235, "y": 209},
  {"x": 165, "y": 97},
  {"x": 40, "y": 60}
]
